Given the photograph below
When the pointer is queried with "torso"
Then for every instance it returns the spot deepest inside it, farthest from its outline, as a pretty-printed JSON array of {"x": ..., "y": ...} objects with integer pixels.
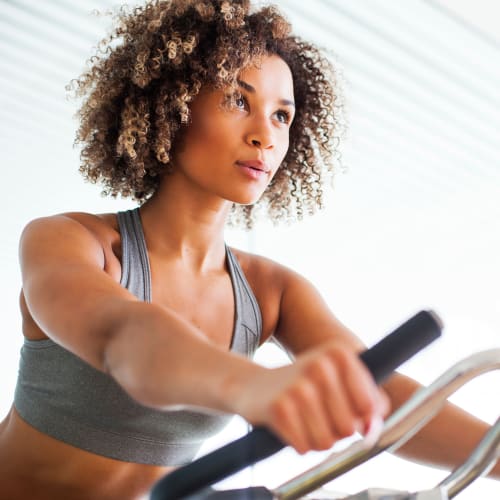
[{"x": 28, "y": 458}]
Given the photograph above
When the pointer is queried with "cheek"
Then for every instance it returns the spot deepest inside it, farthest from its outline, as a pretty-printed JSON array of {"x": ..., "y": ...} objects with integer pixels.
[
  {"x": 210, "y": 136},
  {"x": 198, "y": 138},
  {"x": 283, "y": 148},
  {"x": 201, "y": 132}
]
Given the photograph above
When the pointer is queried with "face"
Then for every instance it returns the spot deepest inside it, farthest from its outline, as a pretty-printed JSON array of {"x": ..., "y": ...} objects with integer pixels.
[{"x": 232, "y": 152}]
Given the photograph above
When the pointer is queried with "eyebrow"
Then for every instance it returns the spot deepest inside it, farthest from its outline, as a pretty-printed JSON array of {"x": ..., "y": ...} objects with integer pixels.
[{"x": 249, "y": 88}]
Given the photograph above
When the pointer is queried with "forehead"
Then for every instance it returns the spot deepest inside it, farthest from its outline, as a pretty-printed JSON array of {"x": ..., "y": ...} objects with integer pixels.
[{"x": 270, "y": 75}]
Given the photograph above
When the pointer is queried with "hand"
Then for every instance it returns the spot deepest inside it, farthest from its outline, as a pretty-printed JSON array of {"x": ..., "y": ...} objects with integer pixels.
[{"x": 326, "y": 395}]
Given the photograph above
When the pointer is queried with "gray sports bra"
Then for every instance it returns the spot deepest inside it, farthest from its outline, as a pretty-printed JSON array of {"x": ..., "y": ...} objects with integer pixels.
[{"x": 62, "y": 396}]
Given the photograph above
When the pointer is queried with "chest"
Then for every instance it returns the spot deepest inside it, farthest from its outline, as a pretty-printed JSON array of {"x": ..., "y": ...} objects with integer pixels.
[{"x": 206, "y": 301}]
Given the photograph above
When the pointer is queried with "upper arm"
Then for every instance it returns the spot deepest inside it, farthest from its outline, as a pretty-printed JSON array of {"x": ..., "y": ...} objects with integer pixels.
[
  {"x": 305, "y": 320},
  {"x": 67, "y": 292}
]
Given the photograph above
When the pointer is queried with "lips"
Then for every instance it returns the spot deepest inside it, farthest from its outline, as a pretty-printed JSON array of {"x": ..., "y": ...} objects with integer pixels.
[{"x": 255, "y": 165}]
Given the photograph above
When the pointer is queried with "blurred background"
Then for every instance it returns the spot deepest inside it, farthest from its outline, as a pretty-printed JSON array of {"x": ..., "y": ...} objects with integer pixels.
[{"x": 412, "y": 220}]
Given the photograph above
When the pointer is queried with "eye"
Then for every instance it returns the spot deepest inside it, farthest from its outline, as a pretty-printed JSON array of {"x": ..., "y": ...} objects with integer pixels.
[
  {"x": 239, "y": 101},
  {"x": 283, "y": 116}
]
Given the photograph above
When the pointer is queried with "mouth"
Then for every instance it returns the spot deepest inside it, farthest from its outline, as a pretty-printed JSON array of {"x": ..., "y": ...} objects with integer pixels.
[{"x": 256, "y": 165}]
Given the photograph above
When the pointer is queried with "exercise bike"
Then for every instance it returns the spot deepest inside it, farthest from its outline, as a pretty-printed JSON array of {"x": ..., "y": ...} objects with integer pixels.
[{"x": 193, "y": 481}]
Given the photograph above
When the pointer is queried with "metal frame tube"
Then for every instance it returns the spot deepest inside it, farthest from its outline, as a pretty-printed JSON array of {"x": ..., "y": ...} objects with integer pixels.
[
  {"x": 479, "y": 463},
  {"x": 399, "y": 428}
]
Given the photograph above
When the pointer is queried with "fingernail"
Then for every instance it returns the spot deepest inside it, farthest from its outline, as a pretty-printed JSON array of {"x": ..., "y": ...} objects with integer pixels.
[
  {"x": 374, "y": 430},
  {"x": 360, "y": 427}
]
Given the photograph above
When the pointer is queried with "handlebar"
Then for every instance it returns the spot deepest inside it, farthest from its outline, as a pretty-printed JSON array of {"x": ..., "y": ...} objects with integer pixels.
[
  {"x": 405, "y": 423},
  {"x": 479, "y": 463},
  {"x": 382, "y": 359}
]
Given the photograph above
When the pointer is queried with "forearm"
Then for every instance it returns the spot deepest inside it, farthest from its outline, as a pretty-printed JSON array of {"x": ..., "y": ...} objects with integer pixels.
[
  {"x": 448, "y": 439},
  {"x": 163, "y": 361}
]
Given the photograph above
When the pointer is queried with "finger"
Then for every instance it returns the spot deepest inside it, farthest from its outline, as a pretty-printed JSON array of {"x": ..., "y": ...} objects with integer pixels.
[
  {"x": 373, "y": 430},
  {"x": 316, "y": 421},
  {"x": 286, "y": 422},
  {"x": 337, "y": 404},
  {"x": 360, "y": 386},
  {"x": 384, "y": 403}
]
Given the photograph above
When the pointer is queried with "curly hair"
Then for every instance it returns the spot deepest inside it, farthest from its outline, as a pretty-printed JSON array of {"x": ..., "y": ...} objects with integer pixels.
[{"x": 143, "y": 76}]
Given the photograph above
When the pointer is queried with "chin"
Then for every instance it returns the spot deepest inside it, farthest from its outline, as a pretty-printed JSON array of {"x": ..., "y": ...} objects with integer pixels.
[
  {"x": 242, "y": 200},
  {"x": 245, "y": 198}
]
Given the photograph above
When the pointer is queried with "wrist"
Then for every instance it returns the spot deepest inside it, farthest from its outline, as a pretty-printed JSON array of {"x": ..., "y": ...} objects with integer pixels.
[{"x": 234, "y": 390}]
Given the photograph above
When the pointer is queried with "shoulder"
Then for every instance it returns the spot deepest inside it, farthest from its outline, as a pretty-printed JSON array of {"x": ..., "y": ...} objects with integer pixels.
[
  {"x": 292, "y": 307},
  {"x": 101, "y": 227},
  {"x": 269, "y": 281},
  {"x": 75, "y": 232},
  {"x": 94, "y": 223},
  {"x": 262, "y": 271}
]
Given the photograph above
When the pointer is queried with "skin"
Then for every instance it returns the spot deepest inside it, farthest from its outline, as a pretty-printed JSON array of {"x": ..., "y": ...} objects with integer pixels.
[{"x": 71, "y": 293}]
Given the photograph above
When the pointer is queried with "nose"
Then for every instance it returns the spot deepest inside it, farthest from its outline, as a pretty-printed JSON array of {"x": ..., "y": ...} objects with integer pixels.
[{"x": 260, "y": 134}]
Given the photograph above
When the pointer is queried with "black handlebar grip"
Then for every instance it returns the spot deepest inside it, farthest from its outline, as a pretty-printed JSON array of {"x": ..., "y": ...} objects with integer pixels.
[
  {"x": 400, "y": 345},
  {"x": 381, "y": 360}
]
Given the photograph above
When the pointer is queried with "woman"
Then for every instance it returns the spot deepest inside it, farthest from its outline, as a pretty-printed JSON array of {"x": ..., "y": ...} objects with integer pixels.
[{"x": 139, "y": 326}]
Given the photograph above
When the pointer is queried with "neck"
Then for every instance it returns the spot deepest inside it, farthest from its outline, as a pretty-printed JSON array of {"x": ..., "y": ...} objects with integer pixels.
[{"x": 186, "y": 227}]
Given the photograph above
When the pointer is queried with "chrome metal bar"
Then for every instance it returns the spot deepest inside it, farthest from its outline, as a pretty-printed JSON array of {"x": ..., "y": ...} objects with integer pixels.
[
  {"x": 434, "y": 494},
  {"x": 384, "y": 494},
  {"x": 479, "y": 463},
  {"x": 398, "y": 428}
]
